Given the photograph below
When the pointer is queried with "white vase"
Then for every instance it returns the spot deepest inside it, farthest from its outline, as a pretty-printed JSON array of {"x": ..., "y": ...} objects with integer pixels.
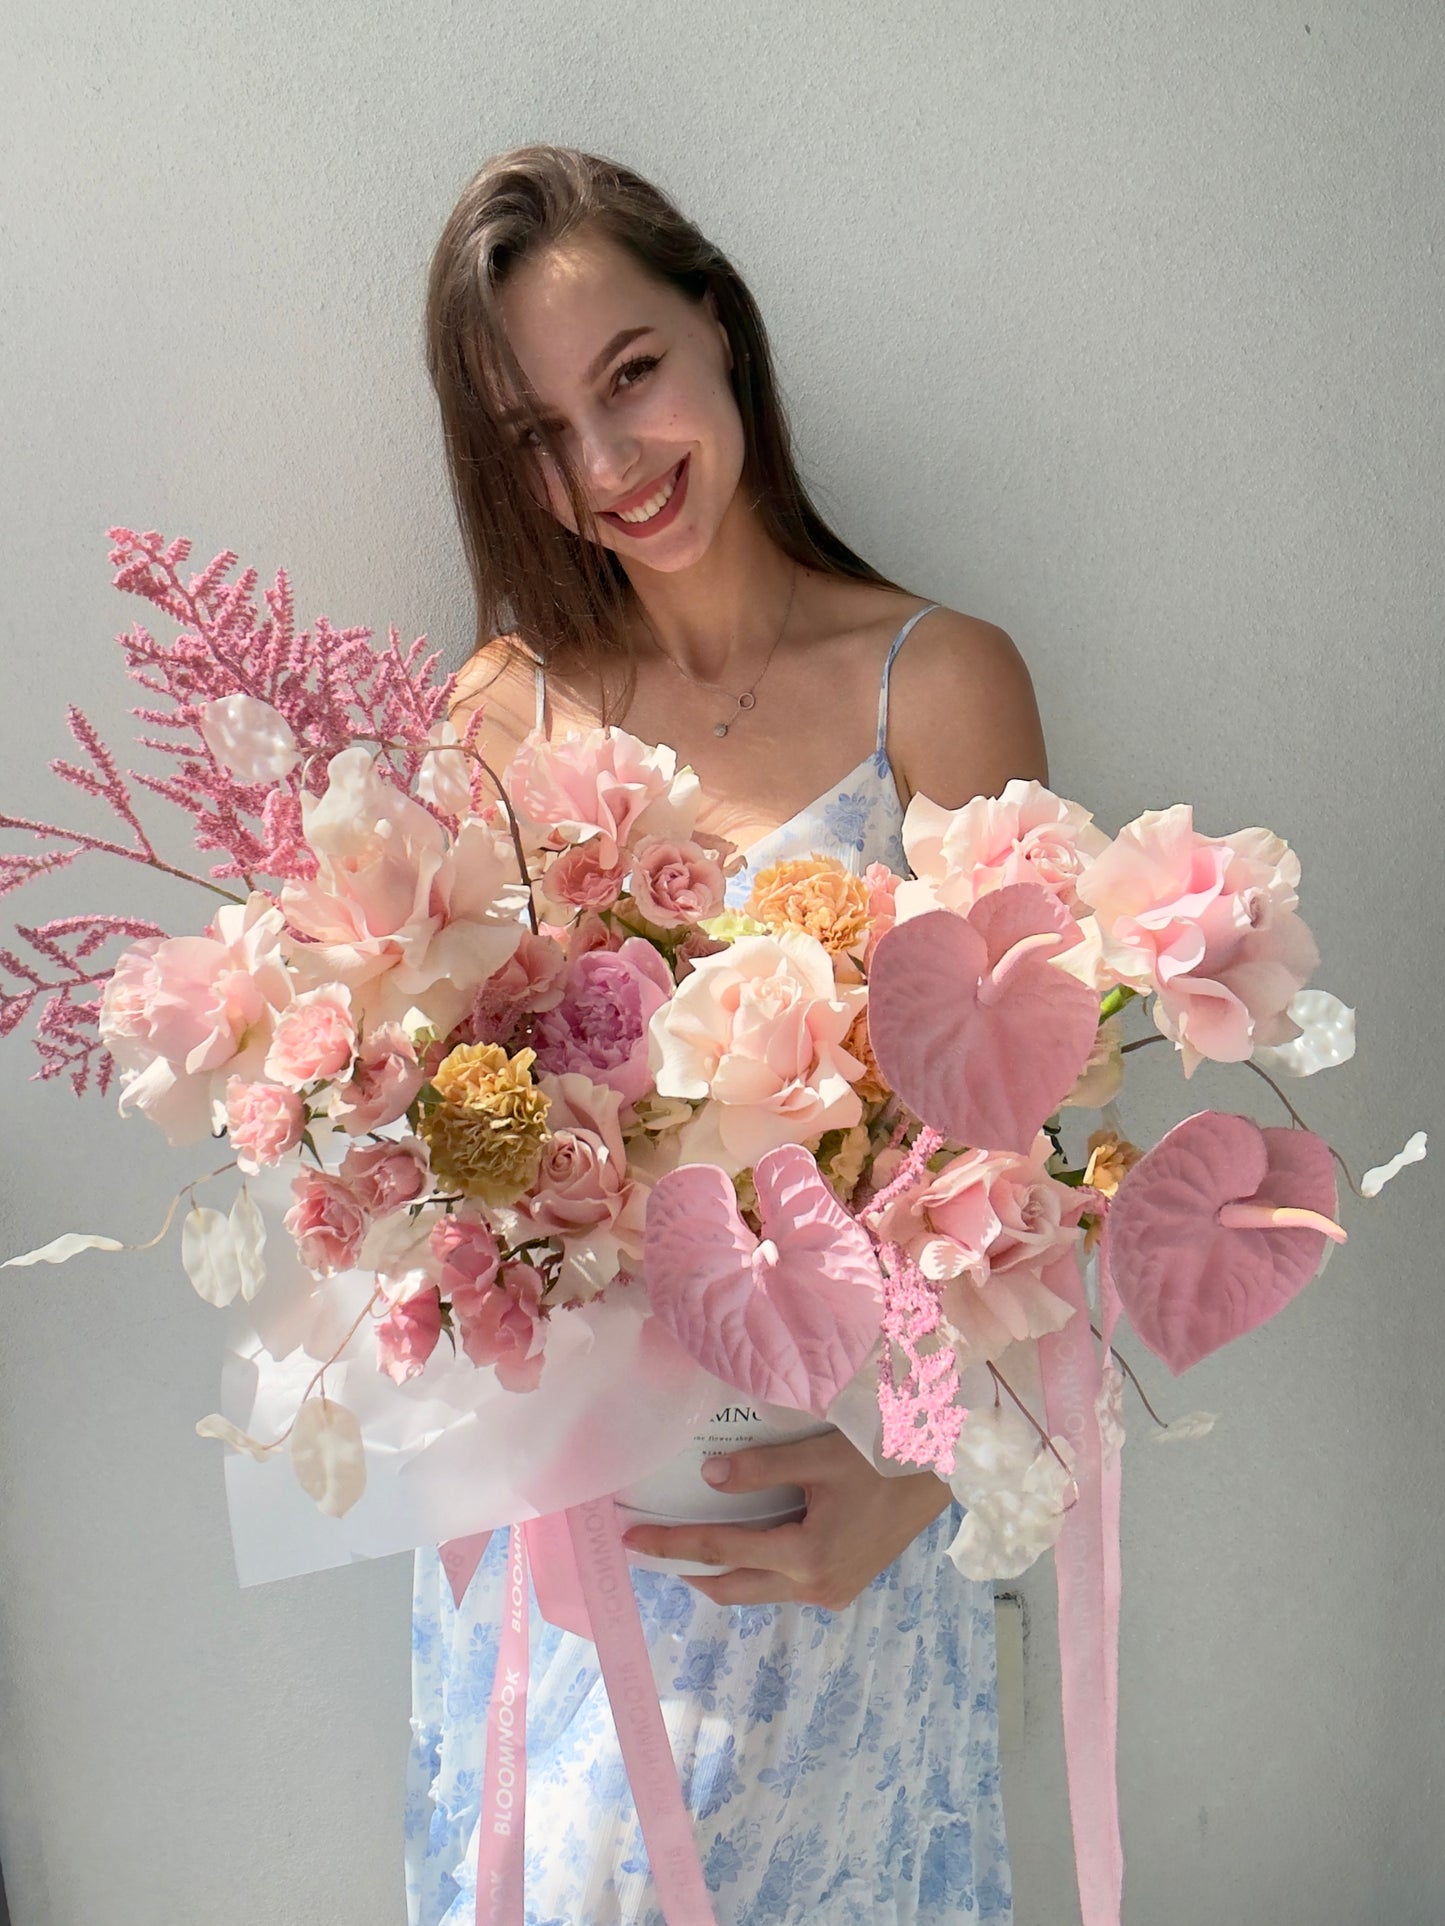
[{"x": 677, "y": 1494}]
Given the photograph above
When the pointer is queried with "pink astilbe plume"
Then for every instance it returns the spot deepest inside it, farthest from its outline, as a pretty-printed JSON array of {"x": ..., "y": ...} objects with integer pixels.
[{"x": 65, "y": 1029}]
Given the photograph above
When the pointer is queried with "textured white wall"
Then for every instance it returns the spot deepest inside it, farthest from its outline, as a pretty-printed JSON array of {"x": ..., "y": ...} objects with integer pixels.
[{"x": 1119, "y": 324}]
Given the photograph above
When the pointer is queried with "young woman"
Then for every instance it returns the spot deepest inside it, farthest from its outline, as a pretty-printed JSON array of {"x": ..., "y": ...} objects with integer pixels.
[{"x": 644, "y": 553}]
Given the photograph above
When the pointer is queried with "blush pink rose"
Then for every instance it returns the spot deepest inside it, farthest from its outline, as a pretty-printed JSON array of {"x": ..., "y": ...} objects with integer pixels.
[
  {"x": 602, "y": 784},
  {"x": 882, "y": 887},
  {"x": 467, "y": 1251},
  {"x": 600, "y": 1026},
  {"x": 385, "y": 1176},
  {"x": 677, "y": 881},
  {"x": 384, "y": 1079},
  {"x": 583, "y": 1193},
  {"x": 408, "y": 1334},
  {"x": 579, "y": 880},
  {"x": 529, "y": 982},
  {"x": 1026, "y": 834},
  {"x": 327, "y": 1222},
  {"x": 1210, "y": 925},
  {"x": 500, "y": 1324},
  {"x": 314, "y": 1038},
  {"x": 989, "y": 1226},
  {"x": 263, "y": 1122},
  {"x": 759, "y": 1030},
  {"x": 181, "y": 1015}
]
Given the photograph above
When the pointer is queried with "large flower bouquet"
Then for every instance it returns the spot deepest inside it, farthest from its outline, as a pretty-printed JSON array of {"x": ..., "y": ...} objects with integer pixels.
[{"x": 537, "y": 1144}]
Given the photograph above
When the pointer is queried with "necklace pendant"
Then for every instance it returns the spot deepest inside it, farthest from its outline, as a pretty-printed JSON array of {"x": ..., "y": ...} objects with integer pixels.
[
  {"x": 747, "y": 699},
  {"x": 719, "y": 728}
]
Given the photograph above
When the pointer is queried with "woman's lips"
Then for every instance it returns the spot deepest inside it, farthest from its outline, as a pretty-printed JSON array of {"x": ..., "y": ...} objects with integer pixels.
[{"x": 666, "y": 514}]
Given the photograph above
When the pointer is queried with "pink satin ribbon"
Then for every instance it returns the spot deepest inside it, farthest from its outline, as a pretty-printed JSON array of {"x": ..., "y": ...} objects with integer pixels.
[
  {"x": 583, "y": 1584},
  {"x": 1088, "y": 1572}
]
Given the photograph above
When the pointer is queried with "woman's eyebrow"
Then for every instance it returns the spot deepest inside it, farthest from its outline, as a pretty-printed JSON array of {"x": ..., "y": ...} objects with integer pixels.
[{"x": 615, "y": 346}]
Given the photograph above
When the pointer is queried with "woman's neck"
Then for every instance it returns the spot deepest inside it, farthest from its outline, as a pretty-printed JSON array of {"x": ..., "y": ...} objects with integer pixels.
[{"x": 717, "y": 618}]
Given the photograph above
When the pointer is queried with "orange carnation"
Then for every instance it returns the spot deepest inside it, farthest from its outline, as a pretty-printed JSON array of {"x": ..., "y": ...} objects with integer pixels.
[{"x": 815, "y": 894}]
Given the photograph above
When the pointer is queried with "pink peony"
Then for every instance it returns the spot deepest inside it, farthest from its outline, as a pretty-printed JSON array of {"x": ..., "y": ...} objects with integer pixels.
[
  {"x": 314, "y": 1038},
  {"x": 384, "y": 1078},
  {"x": 327, "y": 1222},
  {"x": 385, "y": 1176},
  {"x": 579, "y": 880},
  {"x": 605, "y": 785},
  {"x": 408, "y": 1334},
  {"x": 398, "y": 910},
  {"x": 183, "y": 1014},
  {"x": 501, "y": 1324},
  {"x": 759, "y": 1029},
  {"x": 676, "y": 881},
  {"x": 1209, "y": 924},
  {"x": 1025, "y": 835},
  {"x": 530, "y": 981},
  {"x": 263, "y": 1122},
  {"x": 600, "y": 1026},
  {"x": 989, "y": 1226}
]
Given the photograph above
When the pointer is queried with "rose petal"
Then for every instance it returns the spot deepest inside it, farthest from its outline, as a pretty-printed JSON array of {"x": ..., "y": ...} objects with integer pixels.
[
  {"x": 60, "y": 1248},
  {"x": 327, "y": 1455}
]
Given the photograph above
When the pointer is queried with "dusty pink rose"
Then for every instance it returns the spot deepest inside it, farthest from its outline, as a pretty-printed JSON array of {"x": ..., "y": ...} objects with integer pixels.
[
  {"x": 1209, "y": 923},
  {"x": 677, "y": 881},
  {"x": 692, "y": 946},
  {"x": 314, "y": 1038},
  {"x": 407, "y": 1335},
  {"x": 327, "y": 1222},
  {"x": 467, "y": 1251},
  {"x": 500, "y": 1324},
  {"x": 759, "y": 1030},
  {"x": 384, "y": 1078},
  {"x": 530, "y": 981},
  {"x": 263, "y": 1122},
  {"x": 989, "y": 1226},
  {"x": 600, "y": 1026},
  {"x": 1025, "y": 835},
  {"x": 578, "y": 879},
  {"x": 385, "y": 1176},
  {"x": 399, "y": 910},
  {"x": 590, "y": 933},
  {"x": 602, "y": 784},
  {"x": 183, "y": 1014},
  {"x": 583, "y": 1193}
]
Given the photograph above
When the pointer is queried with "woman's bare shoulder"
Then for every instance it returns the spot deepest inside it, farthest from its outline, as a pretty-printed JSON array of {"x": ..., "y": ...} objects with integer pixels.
[
  {"x": 963, "y": 718},
  {"x": 499, "y": 680}
]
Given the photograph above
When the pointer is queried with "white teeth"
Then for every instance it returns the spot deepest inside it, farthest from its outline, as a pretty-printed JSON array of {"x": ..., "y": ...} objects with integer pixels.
[{"x": 653, "y": 506}]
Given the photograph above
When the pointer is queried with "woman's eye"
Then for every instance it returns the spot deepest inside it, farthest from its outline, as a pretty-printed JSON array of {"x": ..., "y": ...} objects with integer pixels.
[{"x": 645, "y": 362}]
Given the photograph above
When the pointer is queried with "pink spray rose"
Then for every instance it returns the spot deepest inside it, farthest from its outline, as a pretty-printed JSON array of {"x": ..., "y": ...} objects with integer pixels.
[
  {"x": 327, "y": 1222},
  {"x": 385, "y": 1176},
  {"x": 990, "y": 1225},
  {"x": 530, "y": 981},
  {"x": 183, "y": 1014},
  {"x": 583, "y": 1193},
  {"x": 589, "y": 933},
  {"x": 600, "y": 1026},
  {"x": 1208, "y": 923},
  {"x": 467, "y": 1251},
  {"x": 497, "y": 1313},
  {"x": 677, "y": 881},
  {"x": 384, "y": 1079},
  {"x": 263, "y": 1122},
  {"x": 580, "y": 880},
  {"x": 407, "y": 1335},
  {"x": 314, "y": 1038}
]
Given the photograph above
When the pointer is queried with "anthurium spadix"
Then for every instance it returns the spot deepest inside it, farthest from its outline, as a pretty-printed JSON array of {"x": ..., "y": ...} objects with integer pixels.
[
  {"x": 788, "y": 1317},
  {"x": 972, "y": 1025},
  {"x": 1216, "y": 1229}
]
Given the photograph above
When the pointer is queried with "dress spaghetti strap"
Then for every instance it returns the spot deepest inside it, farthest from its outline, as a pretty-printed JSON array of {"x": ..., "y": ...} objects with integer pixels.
[
  {"x": 880, "y": 754},
  {"x": 539, "y": 683}
]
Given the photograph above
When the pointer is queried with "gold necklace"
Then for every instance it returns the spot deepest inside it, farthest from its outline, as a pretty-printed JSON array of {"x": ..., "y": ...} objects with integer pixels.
[{"x": 749, "y": 697}]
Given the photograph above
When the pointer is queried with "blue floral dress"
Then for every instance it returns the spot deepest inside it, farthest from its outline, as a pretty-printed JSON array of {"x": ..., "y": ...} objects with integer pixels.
[{"x": 841, "y": 1768}]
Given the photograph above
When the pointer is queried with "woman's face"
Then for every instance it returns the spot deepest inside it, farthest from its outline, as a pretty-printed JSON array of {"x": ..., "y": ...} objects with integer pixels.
[{"x": 638, "y": 416}]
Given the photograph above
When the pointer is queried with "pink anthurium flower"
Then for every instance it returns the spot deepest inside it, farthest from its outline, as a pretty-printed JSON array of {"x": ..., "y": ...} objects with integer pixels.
[
  {"x": 972, "y": 1025},
  {"x": 788, "y": 1317},
  {"x": 1216, "y": 1229}
]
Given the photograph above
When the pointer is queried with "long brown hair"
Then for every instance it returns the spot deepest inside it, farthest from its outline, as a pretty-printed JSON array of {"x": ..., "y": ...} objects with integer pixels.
[{"x": 564, "y": 597}]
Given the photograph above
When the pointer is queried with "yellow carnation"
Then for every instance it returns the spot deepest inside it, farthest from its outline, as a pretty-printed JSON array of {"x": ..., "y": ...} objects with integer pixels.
[
  {"x": 485, "y": 1135},
  {"x": 815, "y": 894}
]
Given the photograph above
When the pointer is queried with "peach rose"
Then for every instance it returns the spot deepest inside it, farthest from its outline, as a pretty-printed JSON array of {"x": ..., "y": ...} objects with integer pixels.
[
  {"x": 676, "y": 881},
  {"x": 263, "y": 1122},
  {"x": 759, "y": 1031},
  {"x": 327, "y": 1222},
  {"x": 314, "y": 1038},
  {"x": 1209, "y": 924},
  {"x": 816, "y": 894}
]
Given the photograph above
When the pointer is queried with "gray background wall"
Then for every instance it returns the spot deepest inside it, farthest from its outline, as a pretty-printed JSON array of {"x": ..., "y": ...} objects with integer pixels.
[{"x": 1118, "y": 324}]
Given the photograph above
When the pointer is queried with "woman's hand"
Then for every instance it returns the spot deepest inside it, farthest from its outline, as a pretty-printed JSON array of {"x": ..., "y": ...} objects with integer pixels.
[{"x": 857, "y": 1523}]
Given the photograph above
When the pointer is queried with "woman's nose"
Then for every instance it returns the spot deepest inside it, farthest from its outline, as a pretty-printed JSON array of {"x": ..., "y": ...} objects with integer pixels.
[{"x": 610, "y": 464}]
